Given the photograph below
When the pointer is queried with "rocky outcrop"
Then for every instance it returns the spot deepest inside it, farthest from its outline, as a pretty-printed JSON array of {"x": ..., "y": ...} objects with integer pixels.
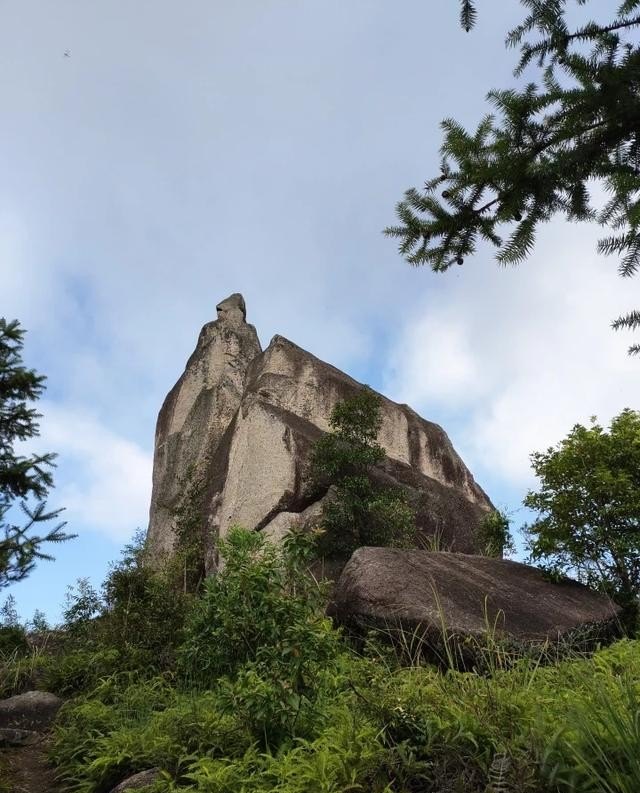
[
  {"x": 137, "y": 781},
  {"x": 196, "y": 413},
  {"x": 11, "y": 737},
  {"x": 424, "y": 593},
  {"x": 34, "y": 710},
  {"x": 246, "y": 420}
]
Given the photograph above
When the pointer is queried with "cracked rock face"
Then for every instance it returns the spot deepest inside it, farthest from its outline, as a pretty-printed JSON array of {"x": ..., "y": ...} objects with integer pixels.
[{"x": 246, "y": 420}]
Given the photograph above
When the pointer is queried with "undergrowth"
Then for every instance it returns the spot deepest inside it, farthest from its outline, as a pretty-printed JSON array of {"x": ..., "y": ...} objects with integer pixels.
[{"x": 258, "y": 693}]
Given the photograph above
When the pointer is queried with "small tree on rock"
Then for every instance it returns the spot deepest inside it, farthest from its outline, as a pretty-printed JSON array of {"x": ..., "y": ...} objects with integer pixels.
[{"x": 362, "y": 512}]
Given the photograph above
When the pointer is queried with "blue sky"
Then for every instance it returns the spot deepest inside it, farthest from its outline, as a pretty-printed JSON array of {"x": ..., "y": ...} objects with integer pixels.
[{"x": 185, "y": 151}]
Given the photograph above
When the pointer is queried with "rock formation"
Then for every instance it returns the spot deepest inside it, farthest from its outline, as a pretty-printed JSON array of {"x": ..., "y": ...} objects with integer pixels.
[
  {"x": 196, "y": 413},
  {"x": 245, "y": 420},
  {"x": 420, "y": 591},
  {"x": 33, "y": 710}
]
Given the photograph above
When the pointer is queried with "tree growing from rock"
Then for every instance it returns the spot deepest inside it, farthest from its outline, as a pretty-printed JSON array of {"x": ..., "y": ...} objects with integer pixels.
[
  {"x": 588, "y": 506},
  {"x": 22, "y": 477},
  {"x": 362, "y": 512},
  {"x": 541, "y": 149}
]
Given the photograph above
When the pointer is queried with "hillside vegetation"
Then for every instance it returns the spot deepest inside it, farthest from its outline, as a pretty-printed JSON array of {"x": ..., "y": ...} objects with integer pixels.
[{"x": 246, "y": 686}]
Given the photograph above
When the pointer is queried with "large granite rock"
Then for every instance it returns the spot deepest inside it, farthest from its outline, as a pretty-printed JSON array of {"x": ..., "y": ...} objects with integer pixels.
[
  {"x": 196, "y": 413},
  {"x": 422, "y": 592},
  {"x": 247, "y": 421}
]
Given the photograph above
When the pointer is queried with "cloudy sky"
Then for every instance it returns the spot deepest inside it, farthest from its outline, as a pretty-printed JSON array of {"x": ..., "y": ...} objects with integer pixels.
[{"x": 188, "y": 150}]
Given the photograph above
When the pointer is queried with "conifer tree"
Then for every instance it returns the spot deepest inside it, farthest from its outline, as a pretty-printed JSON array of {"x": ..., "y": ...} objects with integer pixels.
[
  {"x": 539, "y": 151},
  {"x": 21, "y": 477}
]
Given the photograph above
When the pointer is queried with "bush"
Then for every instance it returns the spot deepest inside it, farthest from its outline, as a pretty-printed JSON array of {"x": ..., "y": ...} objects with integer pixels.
[
  {"x": 493, "y": 536},
  {"x": 260, "y": 624},
  {"x": 74, "y": 670},
  {"x": 361, "y": 512},
  {"x": 137, "y": 619},
  {"x": 13, "y": 641}
]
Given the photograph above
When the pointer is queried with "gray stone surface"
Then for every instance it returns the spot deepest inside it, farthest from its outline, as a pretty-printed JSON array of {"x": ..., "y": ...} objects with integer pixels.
[
  {"x": 142, "y": 779},
  {"x": 34, "y": 710},
  {"x": 10, "y": 737},
  {"x": 196, "y": 413},
  {"x": 420, "y": 591},
  {"x": 248, "y": 420}
]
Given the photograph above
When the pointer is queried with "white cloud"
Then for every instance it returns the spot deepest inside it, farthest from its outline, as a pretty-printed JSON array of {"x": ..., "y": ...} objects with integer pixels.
[
  {"x": 518, "y": 356},
  {"x": 103, "y": 480}
]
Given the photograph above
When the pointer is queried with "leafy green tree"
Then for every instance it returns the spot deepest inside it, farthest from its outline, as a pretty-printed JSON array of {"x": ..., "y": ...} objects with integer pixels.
[
  {"x": 21, "y": 476},
  {"x": 588, "y": 506},
  {"x": 362, "y": 512},
  {"x": 541, "y": 149},
  {"x": 493, "y": 534},
  {"x": 9, "y": 617}
]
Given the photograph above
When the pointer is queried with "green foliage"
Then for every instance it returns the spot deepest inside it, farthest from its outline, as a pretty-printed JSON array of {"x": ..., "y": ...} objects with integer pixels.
[
  {"x": 144, "y": 611},
  {"x": 76, "y": 669},
  {"x": 20, "y": 667},
  {"x": 9, "y": 617},
  {"x": 83, "y": 605},
  {"x": 361, "y": 512},
  {"x": 13, "y": 637},
  {"x": 589, "y": 507},
  {"x": 136, "y": 622},
  {"x": 39, "y": 624},
  {"x": 493, "y": 536},
  {"x": 539, "y": 151},
  {"x": 375, "y": 727},
  {"x": 260, "y": 625},
  {"x": 189, "y": 550},
  {"x": 598, "y": 749},
  {"x": 104, "y": 738},
  {"x": 13, "y": 640},
  {"x": 21, "y": 477}
]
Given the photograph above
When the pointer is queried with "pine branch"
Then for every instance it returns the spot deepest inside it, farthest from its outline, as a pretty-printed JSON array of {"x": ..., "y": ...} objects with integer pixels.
[
  {"x": 468, "y": 15},
  {"x": 630, "y": 321}
]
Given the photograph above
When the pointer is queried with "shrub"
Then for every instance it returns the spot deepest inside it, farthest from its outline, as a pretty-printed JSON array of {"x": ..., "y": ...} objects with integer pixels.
[
  {"x": 137, "y": 619},
  {"x": 74, "y": 670},
  {"x": 13, "y": 641},
  {"x": 361, "y": 512},
  {"x": 260, "y": 625},
  {"x": 493, "y": 536}
]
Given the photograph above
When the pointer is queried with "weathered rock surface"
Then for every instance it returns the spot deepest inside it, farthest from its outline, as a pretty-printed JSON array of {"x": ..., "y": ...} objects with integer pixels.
[
  {"x": 34, "y": 710},
  {"x": 247, "y": 420},
  {"x": 142, "y": 779},
  {"x": 420, "y": 591},
  {"x": 196, "y": 413},
  {"x": 12, "y": 737}
]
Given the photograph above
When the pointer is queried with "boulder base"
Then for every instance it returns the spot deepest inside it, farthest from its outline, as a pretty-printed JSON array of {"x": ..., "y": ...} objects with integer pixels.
[
  {"x": 139, "y": 780},
  {"x": 423, "y": 592},
  {"x": 34, "y": 710}
]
